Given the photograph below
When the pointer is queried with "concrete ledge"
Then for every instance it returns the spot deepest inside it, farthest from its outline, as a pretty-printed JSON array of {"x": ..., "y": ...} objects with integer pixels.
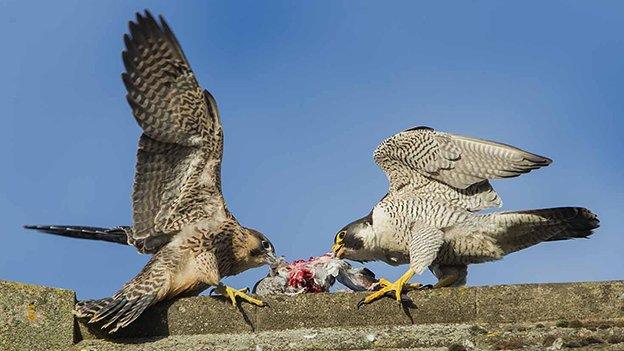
[
  {"x": 495, "y": 304},
  {"x": 35, "y": 318},
  {"x": 575, "y": 316},
  {"x": 527, "y": 336}
]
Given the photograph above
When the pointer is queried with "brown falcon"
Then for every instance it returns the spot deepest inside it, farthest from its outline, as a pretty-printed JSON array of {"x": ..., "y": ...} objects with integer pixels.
[
  {"x": 179, "y": 214},
  {"x": 437, "y": 182}
]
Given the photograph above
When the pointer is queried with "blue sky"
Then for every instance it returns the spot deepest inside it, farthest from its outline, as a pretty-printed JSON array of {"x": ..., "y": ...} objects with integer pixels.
[{"x": 306, "y": 92}]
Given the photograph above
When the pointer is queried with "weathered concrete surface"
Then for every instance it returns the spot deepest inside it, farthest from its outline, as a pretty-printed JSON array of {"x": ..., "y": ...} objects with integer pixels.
[
  {"x": 597, "y": 335},
  {"x": 548, "y": 302},
  {"x": 579, "y": 316},
  {"x": 186, "y": 316},
  {"x": 496, "y": 304},
  {"x": 35, "y": 318}
]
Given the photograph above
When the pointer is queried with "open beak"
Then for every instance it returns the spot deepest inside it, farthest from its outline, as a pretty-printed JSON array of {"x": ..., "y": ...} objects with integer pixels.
[{"x": 338, "y": 250}]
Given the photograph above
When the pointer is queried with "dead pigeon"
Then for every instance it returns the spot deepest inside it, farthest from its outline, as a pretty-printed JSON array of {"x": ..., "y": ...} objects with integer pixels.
[{"x": 317, "y": 274}]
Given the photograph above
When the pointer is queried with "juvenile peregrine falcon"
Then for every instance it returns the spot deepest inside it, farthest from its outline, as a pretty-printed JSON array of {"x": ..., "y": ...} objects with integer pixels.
[
  {"x": 437, "y": 182},
  {"x": 179, "y": 214}
]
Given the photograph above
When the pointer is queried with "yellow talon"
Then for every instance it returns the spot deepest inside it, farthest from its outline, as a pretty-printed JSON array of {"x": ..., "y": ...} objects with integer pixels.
[
  {"x": 232, "y": 293},
  {"x": 386, "y": 286},
  {"x": 406, "y": 287}
]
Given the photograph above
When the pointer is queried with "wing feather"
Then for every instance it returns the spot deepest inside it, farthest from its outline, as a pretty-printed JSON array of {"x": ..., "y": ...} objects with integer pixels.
[
  {"x": 177, "y": 178},
  {"x": 421, "y": 160}
]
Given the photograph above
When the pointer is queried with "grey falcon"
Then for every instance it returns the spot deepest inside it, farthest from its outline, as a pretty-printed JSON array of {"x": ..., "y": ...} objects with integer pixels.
[
  {"x": 427, "y": 219},
  {"x": 179, "y": 214}
]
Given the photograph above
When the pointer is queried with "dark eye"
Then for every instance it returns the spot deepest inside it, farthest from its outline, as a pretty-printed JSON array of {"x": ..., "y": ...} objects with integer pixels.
[
  {"x": 266, "y": 245},
  {"x": 340, "y": 236}
]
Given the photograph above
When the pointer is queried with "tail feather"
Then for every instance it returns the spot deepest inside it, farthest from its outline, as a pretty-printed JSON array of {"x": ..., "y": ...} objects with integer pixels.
[
  {"x": 116, "y": 235},
  {"x": 580, "y": 226},
  {"x": 521, "y": 229}
]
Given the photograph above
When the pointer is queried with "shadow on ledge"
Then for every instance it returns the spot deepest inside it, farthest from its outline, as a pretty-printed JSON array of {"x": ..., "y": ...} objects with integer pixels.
[{"x": 494, "y": 304}]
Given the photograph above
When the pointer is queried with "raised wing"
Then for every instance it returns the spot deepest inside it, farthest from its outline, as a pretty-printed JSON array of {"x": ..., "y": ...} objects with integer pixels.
[
  {"x": 452, "y": 167},
  {"x": 177, "y": 178}
]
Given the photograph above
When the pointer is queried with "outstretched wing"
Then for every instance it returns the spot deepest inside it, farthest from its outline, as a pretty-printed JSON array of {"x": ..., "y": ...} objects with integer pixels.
[
  {"x": 177, "y": 178},
  {"x": 452, "y": 167}
]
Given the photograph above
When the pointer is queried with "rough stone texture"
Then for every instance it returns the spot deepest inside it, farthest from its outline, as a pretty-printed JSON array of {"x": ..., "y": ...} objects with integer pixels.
[
  {"x": 186, "y": 316},
  {"x": 35, "y": 318},
  {"x": 598, "y": 335},
  {"x": 578, "y": 316},
  {"x": 504, "y": 304},
  {"x": 548, "y": 302},
  {"x": 340, "y": 309}
]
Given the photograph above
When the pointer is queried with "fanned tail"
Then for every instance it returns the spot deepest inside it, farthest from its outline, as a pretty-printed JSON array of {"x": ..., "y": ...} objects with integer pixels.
[
  {"x": 115, "y": 235},
  {"x": 521, "y": 229},
  {"x": 580, "y": 226}
]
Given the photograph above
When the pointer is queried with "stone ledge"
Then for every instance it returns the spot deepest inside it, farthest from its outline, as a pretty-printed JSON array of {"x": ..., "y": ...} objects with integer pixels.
[
  {"x": 527, "y": 336},
  {"x": 576, "y": 316},
  {"x": 35, "y": 318},
  {"x": 494, "y": 304}
]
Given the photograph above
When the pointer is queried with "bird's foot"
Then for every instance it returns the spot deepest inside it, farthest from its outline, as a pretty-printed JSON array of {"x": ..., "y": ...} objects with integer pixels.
[
  {"x": 382, "y": 283},
  {"x": 232, "y": 294},
  {"x": 388, "y": 287}
]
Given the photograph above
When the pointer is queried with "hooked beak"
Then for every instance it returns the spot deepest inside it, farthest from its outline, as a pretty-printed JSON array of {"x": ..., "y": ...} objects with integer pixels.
[
  {"x": 270, "y": 258},
  {"x": 338, "y": 250}
]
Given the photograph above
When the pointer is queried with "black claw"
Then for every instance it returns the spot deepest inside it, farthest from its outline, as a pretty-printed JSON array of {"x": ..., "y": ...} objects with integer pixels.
[
  {"x": 406, "y": 302},
  {"x": 426, "y": 287},
  {"x": 360, "y": 303}
]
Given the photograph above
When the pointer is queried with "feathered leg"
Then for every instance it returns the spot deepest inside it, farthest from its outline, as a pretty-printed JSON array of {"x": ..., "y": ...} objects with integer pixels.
[{"x": 448, "y": 276}]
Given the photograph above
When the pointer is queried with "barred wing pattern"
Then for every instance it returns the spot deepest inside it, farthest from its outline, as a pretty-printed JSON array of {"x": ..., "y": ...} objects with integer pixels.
[
  {"x": 177, "y": 178},
  {"x": 456, "y": 168}
]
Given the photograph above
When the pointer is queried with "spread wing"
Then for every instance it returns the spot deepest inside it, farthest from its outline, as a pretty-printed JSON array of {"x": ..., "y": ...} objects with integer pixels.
[
  {"x": 451, "y": 167},
  {"x": 177, "y": 178}
]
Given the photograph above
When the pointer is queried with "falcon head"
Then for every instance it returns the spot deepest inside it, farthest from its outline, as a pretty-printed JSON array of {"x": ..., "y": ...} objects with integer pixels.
[
  {"x": 254, "y": 250},
  {"x": 353, "y": 241}
]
